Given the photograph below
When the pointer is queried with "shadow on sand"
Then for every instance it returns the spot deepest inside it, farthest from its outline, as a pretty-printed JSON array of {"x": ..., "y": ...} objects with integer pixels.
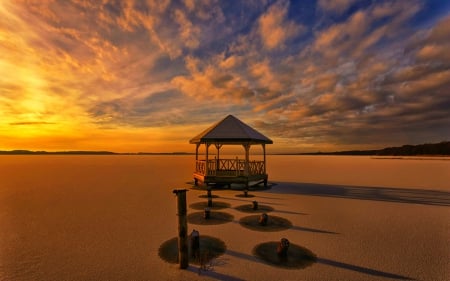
[
  {"x": 398, "y": 195},
  {"x": 307, "y": 229},
  {"x": 347, "y": 266},
  {"x": 361, "y": 269}
]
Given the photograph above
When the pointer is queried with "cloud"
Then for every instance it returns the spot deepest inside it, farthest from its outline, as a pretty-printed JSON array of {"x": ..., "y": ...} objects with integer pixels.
[
  {"x": 347, "y": 86},
  {"x": 30, "y": 123},
  {"x": 274, "y": 27},
  {"x": 265, "y": 77},
  {"x": 434, "y": 47},
  {"x": 367, "y": 72},
  {"x": 347, "y": 78},
  {"x": 216, "y": 85},
  {"x": 440, "y": 31},
  {"x": 335, "y": 6},
  {"x": 231, "y": 62},
  {"x": 188, "y": 32},
  {"x": 364, "y": 29}
]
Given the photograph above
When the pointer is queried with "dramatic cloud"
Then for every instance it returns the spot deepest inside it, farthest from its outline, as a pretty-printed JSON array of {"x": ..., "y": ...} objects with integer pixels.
[
  {"x": 147, "y": 75},
  {"x": 335, "y": 6},
  {"x": 274, "y": 27}
]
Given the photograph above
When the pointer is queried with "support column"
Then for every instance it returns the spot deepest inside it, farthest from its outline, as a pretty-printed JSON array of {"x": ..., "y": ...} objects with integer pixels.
[
  {"x": 218, "y": 146},
  {"x": 196, "y": 151},
  {"x": 197, "y": 169},
  {"x": 247, "y": 158},
  {"x": 265, "y": 172},
  {"x": 264, "y": 153},
  {"x": 207, "y": 155}
]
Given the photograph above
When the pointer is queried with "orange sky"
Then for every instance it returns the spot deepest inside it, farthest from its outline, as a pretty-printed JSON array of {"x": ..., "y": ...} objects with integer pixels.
[{"x": 150, "y": 75}]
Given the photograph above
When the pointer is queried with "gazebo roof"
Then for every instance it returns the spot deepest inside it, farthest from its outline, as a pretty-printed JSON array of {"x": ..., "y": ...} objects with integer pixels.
[{"x": 230, "y": 130}]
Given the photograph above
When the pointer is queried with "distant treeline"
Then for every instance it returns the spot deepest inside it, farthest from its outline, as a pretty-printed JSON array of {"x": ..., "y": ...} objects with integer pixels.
[{"x": 442, "y": 148}]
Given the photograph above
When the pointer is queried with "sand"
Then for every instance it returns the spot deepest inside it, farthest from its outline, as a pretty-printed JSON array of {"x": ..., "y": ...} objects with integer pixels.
[
  {"x": 353, "y": 239},
  {"x": 103, "y": 218}
]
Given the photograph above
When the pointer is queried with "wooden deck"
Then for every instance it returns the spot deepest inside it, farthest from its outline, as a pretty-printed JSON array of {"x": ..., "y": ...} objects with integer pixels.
[{"x": 227, "y": 171}]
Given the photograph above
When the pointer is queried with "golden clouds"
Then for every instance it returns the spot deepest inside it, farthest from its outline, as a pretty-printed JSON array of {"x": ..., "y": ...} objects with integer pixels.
[
  {"x": 214, "y": 84},
  {"x": 274, "y": 27},
  {"x": 424, "y": 84},
  {"x": 263, "y": 72},
  {"x": 230, "y": 62},
  {"x": 437, "y": 43},
  {"x": 433, "y": 51},
  {"x": 188, "y": 32},
  {"x": 340, "y": 38}
]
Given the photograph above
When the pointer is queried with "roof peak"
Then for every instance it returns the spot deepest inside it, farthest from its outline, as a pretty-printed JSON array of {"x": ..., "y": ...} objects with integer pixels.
[{"x": 230, "y": 130}]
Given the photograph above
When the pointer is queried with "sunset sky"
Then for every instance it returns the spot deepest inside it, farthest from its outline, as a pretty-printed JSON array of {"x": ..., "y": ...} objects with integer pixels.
[{"x": 130, "y": 76}]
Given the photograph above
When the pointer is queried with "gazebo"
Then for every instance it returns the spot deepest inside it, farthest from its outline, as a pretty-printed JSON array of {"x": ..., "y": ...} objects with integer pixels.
[{"x": 230, "y": 131}]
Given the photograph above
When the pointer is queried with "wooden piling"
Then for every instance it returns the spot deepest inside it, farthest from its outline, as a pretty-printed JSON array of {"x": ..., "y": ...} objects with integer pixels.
[{"x": 183, "y": 256}]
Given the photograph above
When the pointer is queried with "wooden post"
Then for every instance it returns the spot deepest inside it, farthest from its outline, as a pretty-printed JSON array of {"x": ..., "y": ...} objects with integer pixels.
[
  {"x": 265, "y": 171},
  {"x": 264, "y": 153},
  {"x": 207, "y": 213},
  {"x": 195, "y": 244},
  {"x": 247, "y": 158},
  {"x": 183, "y": 256},
  {"x": 196, "y": 163},
  {"x": 207, "y": 161},
  {"x": 196, "y": 151},
  {"x": 218, "y": 146},
  {"x": 263, "y": 219},
  {"x": 209, "y": 201},
  {"x": 282, "y": 247}
]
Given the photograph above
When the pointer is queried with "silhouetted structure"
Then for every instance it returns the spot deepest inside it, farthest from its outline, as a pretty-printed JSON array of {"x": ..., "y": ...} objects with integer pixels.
[{"x": 230, "y": 131}]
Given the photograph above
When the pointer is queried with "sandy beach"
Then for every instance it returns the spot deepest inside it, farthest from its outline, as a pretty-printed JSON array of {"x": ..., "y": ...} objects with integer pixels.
[{"x": 106, "y": 217}]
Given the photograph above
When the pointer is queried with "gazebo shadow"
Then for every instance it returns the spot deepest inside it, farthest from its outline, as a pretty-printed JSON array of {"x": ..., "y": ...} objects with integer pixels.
[
  {"x": 334, "y": 263},
  {"x": 386, "y": 194},
  {"x": 315, "y": 230}
]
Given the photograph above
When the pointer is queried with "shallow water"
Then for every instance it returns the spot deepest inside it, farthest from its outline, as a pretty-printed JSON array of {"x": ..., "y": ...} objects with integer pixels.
[{"x": 103, "y": 217}]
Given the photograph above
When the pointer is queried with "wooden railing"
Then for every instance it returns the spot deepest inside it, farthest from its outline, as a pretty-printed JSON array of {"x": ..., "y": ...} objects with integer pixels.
[
  {"x": 229, "y": 167},
  {"x": 200, "y": 167},
  {"x": 256, "y": 167}
]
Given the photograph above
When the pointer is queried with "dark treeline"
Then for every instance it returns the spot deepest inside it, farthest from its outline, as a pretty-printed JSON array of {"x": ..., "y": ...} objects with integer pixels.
[{"x": 442, "y": 148}]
